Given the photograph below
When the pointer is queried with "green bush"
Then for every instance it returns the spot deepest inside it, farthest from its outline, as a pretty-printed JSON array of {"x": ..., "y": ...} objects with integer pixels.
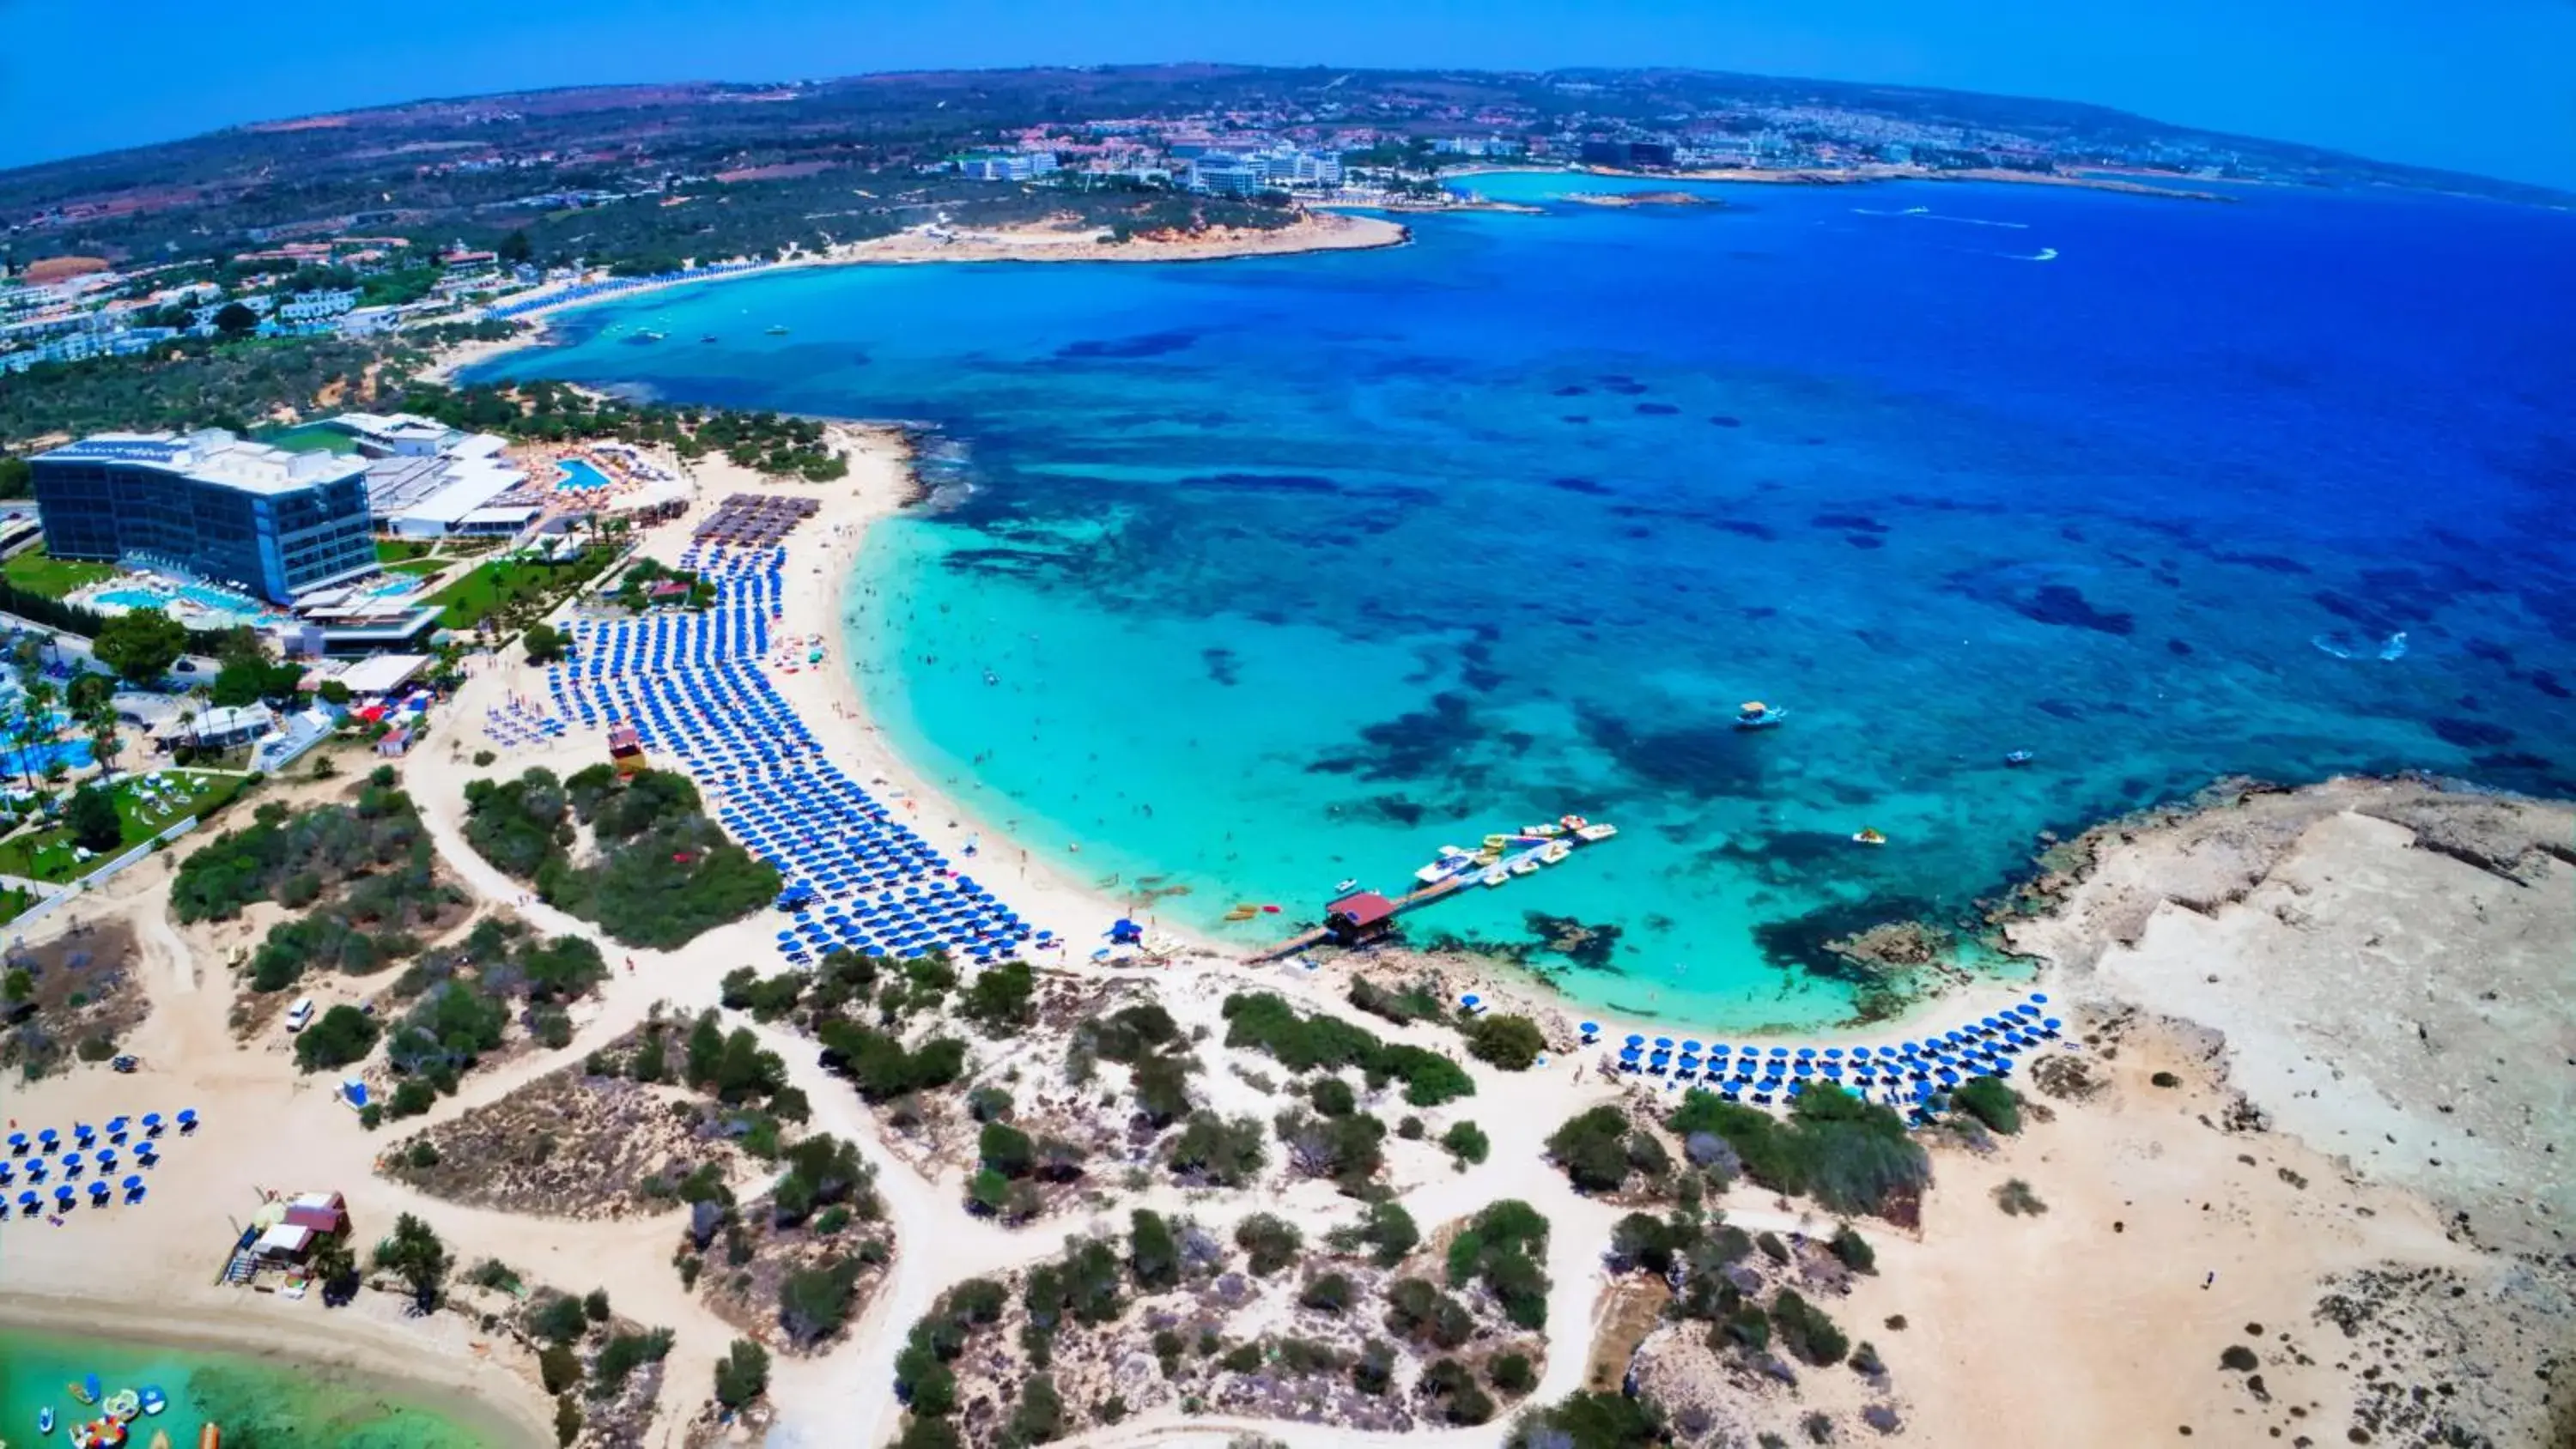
[
  {"x": 1593, "y": 1149},
  {"x": 1512, "y": 1373},
  {"x": 1153, "y": 1254},
  {"x": 1385, "y": 1229},
  {"x": 1590, "y": 1420},
  {"x": 1264, "y": 1021},
  {"x": 1989, "y": 1100},
  {"x": 1503, "y": 1246},
  {"x": 1417, "y": 1311},
  {"x": 1272, "y": 1241},
  {"x": 342, "y": 1035},
  {"x": 1852, "y": 1156},
  {"x": 1466, "y": 1142},
  {"x": 666, "y": 873},
  {"x": 1854, "y": 1250},
  {"x": 1418, "y": 1002},
  {"x": 625, "y": 1353},
  {"x": 558, "y": 1367},
  {"x": 1513, "y": 1043},
  {"x": 1805, "y": 1330},
  {"x": 1002, "y": 999},
  {"x": 1326, "y": 1293},
  {"x": 1220, "y": 1151},
  {"x": 742, "y": 1375}
]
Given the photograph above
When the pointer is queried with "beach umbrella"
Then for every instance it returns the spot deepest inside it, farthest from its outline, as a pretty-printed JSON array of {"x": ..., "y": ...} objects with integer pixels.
[
  {"x": 46, "y": 1138},
  {"x": 2039, "y": 999},
  {"x": 98, "y": 1191},
  {"x": 1590, "y": 1029},
  {"x": 17, "y": 1143},
  {"x": 64, "y": 1196},
  {"x": 1778, "y": 1052},
  {"x": 2051, "y": 1025},
  {"x": 1806, "y": 1053},
  {"x": 187, "y": 1119},
  {"x": 116, "y": 1126},
  {"x": 1860, "y": 1053},
  {"x": 1663, "y": 1043},
  {"x": 71, "y": 1164},
  {"x": 1833, "y": 1054},
  {"x": 28, "y": 1200},
  {"x": 1804, "y": 1067},
  {"x": 1470, "y": 1000},
  {"x": 1689, "y": 1045}
]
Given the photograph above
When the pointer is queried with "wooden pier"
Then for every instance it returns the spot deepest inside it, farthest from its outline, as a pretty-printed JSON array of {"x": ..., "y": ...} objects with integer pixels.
[{"x": 1364, "y": 915}]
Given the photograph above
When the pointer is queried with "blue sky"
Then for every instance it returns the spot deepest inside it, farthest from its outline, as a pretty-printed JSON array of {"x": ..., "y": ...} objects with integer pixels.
[{"x": 2479, "y": 85}]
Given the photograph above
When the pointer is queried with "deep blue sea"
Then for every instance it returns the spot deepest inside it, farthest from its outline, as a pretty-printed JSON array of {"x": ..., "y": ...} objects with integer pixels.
[{"x": 1262, "y": 574}]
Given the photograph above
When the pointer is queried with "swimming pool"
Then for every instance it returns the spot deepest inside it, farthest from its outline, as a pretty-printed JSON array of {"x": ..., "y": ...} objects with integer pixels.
[{"x": 578, "y": 476}]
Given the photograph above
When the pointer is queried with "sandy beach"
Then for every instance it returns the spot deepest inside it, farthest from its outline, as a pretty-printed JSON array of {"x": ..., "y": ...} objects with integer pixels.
[{"x": 2198, "y": 1138}]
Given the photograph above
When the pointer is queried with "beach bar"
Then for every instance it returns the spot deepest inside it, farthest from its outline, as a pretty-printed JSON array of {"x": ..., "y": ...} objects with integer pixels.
[{"x": 1359, "y": 917}]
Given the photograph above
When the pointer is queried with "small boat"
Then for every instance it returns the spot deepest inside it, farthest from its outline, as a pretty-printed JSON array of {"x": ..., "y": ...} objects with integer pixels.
[
  {"x": 1497, "y": 841},
  {"x": 1867, "y": 836},
  {"x": 649, "y": 335},
  {"x": 2019, "y": 757},
  {"x": 45, "y": 1419},
  {"x": 1543, "y": 832},
  {"x": 779, "y": 331},
  {"x": 123, "y": 1405},
  {"x": 210, "y": 1437},
  {"x": 1595, "y": 834},
  {"x": 707, "y": 337},
  {"x": 154, "y": 1401},
  {"x": 86, "y": 1390},
  {"x": 1345, "y": 887},
  {"x": 1753, "y": 714},
  {"x": 160, "y": 1439}
]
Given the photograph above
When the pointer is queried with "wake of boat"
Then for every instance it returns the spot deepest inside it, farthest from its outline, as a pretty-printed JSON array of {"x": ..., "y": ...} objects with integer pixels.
[
  {"x": 1925, "y": 213},
  {"x": 2344, "y": 646}
]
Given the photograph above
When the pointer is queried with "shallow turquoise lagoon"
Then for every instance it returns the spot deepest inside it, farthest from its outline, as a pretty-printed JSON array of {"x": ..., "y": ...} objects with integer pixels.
[{"x": 1259, "y": 575}]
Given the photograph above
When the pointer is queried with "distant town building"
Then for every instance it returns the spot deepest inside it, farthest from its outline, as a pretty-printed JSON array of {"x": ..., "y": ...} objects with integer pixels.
[
  {"x": 1219, "y": 174},
  {"x": 316, "y": 306},
  {"x": 1478, "y": 146},
  {"x": 209, "y": 505},
  {"x": 1009, "y": 166},
  {"x": 1628, "y": 153}
]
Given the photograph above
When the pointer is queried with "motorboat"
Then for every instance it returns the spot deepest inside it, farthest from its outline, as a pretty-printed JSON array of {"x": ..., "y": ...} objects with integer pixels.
[
  {"x": 1345, "y": 887},
  {"x": 1753, "y": 714},
  {"x": 1543, "y": 832},
  {"x": 2019, "y": 758},
  {"x": 778, "y": 331},
  {"x": 1867, "y": 836},
  {"x": 1595, "y": 834}
]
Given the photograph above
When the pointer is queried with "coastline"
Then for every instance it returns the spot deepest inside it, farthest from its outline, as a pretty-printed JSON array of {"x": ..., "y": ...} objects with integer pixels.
[
  {"x": 1866, "y": 174},
  {"x": 484, "y": 1399},
  {"x": 1314, "y": 231}
]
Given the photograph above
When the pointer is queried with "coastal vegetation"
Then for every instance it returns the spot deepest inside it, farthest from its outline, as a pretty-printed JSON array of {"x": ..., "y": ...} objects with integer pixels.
[
  {"x": 541, "y": 411},
  {"x": 1850, "y": 1155},
  {"x": 1265, "y": 1022},
  {"x": 71, "y": 998},
  {"x": 632, "y": 852}
]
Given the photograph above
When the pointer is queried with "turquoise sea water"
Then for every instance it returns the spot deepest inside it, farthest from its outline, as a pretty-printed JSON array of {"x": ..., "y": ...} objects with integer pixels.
[
  {"x": 1262, "y": 574},
  {"x": 257, "y": 1406}
]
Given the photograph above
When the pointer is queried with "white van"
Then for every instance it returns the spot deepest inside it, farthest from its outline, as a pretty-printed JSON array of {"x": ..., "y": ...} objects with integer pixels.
[{"x": 300, "y": 1015}]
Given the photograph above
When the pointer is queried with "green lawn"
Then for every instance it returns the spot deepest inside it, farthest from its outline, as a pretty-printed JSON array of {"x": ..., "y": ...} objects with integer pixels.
[
  {"x": 16, "y": 901},
  {"x": 397, "y": 550},
  {"x": 312, "y": 438},
  {"x": 470, "y": 600},
  {"x": 417, "y": 566},
  {"x": 46, "y": 854},
  {"x": 38, "y": 572}
]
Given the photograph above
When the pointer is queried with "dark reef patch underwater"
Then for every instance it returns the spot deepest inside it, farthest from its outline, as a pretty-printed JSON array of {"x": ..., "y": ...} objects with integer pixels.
[{"x": 1292, "y": 569}]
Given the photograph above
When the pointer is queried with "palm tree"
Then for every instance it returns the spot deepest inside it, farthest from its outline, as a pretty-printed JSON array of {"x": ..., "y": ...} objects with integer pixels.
[{"x": 104, "y": 740}]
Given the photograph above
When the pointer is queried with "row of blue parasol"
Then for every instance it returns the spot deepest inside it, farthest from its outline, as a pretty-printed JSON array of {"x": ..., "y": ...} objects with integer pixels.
[
  {"x": 34, "y": 1157},
  {"x": 1909, "y": 1071},
  {"x": 855, "y": 877}
]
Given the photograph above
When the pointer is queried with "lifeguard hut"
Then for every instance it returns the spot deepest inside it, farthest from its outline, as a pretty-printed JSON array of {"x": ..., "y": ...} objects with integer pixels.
[{"x": 626, "y": 747}]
